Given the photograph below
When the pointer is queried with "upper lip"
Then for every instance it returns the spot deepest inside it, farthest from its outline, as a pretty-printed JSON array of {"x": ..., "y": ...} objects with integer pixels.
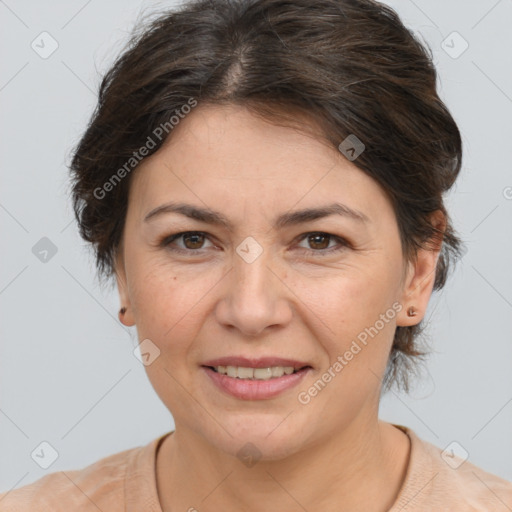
[{"x": 261, "y": 362}]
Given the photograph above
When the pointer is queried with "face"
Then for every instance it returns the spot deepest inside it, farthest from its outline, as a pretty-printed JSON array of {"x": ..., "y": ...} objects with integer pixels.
[{"x": 304, "y": 291}]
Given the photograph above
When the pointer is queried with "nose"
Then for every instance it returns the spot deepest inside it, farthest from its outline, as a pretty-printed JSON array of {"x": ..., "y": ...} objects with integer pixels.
[{"x": 255, "y": 297}]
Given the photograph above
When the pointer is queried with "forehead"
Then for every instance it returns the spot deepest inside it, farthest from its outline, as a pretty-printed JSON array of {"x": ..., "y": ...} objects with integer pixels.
[
  {"x": 244, "y": 145},
  {"x": 226, "y": 154}
]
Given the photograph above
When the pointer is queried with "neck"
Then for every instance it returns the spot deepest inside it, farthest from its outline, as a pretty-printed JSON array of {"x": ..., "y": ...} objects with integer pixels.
[{"x": 334, "y": 474}]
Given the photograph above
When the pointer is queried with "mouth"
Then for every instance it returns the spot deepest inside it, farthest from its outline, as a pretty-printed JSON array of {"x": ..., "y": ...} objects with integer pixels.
[
  {"x": 255, "y": 379},
  {"x": 251, "y": 373}
]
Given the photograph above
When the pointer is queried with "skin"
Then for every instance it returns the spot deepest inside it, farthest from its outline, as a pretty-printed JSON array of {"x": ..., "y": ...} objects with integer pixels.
[{"x": 209, "y": 302}]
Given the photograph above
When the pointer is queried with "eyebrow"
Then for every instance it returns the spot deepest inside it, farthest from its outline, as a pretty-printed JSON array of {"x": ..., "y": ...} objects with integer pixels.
[{"x": 213, "y": 217}]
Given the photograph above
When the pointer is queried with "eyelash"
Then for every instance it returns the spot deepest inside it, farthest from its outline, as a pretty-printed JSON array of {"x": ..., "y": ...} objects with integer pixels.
[{"x": 343, "y": 244}]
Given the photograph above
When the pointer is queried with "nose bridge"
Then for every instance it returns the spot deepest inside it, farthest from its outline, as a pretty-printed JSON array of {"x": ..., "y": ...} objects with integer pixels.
[
  {"x": 252, "y": 276},
  {"x": 252, "y": 285},
  {"x": 253, "y": 299},
  {"x": 251, "y": 264}
]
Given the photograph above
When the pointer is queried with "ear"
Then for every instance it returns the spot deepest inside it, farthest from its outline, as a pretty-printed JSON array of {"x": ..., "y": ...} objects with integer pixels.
[
  {"x": 421, "y": 274},
  {"x": 122, "y": 287}
]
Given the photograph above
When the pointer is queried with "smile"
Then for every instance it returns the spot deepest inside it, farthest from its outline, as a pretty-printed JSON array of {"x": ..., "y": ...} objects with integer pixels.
[
  {"x": 244, "y": 372},
  {"x": 248, "y": 383}
]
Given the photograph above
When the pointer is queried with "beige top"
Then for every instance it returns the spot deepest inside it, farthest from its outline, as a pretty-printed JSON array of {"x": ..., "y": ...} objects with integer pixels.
[{"x": 126, "y": 482}]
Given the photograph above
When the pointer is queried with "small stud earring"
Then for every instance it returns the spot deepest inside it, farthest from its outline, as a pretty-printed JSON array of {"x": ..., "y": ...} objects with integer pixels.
[
  {"x": 122, "y": 311},
  {"x": 411, "y": 311}
]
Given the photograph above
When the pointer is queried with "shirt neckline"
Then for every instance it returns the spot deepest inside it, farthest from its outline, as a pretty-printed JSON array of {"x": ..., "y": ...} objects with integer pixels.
[
  {"x": 416, "y": 465},
  {"x": 140, "y": 486}
]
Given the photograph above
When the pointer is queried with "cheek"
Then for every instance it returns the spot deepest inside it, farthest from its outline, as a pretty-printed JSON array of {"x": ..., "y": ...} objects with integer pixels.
[
  {"x": 361, "y": 321},
  {"x": 355, "y": 320},
  {"x": 347, "y": 303},
  {"x": 168, "y": 304}
]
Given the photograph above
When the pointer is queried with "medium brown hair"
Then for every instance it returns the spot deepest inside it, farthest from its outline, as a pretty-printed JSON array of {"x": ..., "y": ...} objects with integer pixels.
[{"x": 350, "y": 66}]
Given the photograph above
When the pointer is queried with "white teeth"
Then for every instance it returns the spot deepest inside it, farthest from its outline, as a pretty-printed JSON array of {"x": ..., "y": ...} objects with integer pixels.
[
  {"x": 260, "y": 373},
  {"x": 243, "y": 372},
  {"x": 277, "y": 371}
]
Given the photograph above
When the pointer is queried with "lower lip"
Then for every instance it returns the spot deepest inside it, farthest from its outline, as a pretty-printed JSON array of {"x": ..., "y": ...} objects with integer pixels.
[{"x": 247, "y": 389}]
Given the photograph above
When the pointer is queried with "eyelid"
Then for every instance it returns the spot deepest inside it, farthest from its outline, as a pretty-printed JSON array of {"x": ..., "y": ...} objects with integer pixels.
[
  {"x": 168, "y": 239},
  {"x": 342, "y": 243}
]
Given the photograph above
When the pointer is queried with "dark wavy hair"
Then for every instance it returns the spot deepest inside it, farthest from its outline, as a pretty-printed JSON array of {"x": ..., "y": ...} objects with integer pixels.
[{"x": 349, "y": 66}]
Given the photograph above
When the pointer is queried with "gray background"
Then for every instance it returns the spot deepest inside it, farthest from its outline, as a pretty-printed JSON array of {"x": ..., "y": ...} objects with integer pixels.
[{"x": 68, "y": 375}]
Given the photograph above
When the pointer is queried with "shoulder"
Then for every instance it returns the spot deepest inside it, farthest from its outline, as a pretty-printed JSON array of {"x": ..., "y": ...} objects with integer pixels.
[
  {"x": 99, "y": 486},
  {"x": 476, "y": 487},
  {"x": 439, "y": 479}
]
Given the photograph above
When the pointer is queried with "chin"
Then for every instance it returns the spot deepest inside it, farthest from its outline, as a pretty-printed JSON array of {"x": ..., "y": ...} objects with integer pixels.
[{"x": 259, "y": 437}]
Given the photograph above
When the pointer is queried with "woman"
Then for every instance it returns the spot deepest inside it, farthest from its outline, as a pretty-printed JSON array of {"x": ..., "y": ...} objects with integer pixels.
[{"x": 264, "y": 181}]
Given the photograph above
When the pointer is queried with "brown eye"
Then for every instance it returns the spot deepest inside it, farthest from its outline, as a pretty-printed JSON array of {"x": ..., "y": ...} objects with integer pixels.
[
  {"x": 193, "y": 240},
  {"x": 319, "y": 243}
]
